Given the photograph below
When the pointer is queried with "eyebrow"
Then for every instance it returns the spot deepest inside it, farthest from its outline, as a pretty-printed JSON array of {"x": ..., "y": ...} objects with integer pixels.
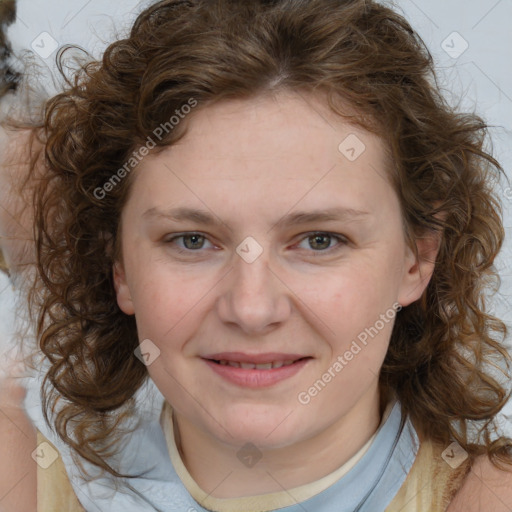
[{"x": 288, "y": 220}]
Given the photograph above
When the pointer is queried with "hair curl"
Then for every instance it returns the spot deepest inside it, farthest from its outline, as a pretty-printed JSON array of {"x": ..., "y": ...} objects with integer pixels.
[{"x": 356, "y": 52}]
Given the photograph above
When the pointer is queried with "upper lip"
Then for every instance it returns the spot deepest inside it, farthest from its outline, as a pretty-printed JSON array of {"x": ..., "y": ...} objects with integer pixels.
[{"x": 241, "y": 357}]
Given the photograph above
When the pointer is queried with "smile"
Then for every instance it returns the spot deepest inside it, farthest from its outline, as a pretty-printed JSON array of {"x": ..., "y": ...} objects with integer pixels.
[
  {"x": 254, "y": 366},
  {"x": 254, "y": 375}
]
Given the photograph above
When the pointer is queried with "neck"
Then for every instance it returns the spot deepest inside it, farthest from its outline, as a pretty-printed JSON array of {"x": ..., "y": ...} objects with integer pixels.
[{"x": 277, "y": 469}]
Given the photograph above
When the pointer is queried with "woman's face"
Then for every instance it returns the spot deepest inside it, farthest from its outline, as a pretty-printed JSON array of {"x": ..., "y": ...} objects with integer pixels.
[{"x": 219, "y": 266}]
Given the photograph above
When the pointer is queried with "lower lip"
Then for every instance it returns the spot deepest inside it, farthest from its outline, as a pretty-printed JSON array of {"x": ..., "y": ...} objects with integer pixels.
[{"x": 253, "y": 378}]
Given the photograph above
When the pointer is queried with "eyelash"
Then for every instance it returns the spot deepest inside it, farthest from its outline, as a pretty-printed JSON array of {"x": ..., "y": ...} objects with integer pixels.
[{"x": 341, "y": 239}]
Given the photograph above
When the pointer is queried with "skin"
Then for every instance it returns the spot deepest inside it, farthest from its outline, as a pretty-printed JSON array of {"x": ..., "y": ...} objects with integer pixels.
[
  {"x": 18, "y": 471},
  {"x": 16, "y": 210},
  {"x": 486, "y": 488},
  {"x": 250, "y": 163}
]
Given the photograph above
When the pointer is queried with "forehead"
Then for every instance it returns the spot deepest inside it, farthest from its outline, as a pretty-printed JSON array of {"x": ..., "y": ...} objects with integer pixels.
[{"x": 272, "y": 150}]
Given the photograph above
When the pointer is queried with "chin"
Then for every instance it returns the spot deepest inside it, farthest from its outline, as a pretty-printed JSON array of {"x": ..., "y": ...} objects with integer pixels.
[{"x": 265, "y": 429}]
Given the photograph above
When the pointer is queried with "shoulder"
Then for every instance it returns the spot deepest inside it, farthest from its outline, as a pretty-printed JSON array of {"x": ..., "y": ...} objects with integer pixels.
[
  {"x": 18, "y": 437},
  {"x": 485, "y": 489}
]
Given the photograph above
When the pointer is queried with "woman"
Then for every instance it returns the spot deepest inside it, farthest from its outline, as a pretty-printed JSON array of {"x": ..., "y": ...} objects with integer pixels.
[{"x": 269, "y": 210}]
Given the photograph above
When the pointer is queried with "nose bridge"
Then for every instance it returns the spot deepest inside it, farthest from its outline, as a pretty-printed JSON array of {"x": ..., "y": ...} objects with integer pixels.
[
  {"x": 253, "y": 297},
  {"x": 252, "y": 276}
]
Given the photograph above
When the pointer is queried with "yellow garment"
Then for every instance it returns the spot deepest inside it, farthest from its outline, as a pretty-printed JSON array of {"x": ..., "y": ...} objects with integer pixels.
[
  {"x": 54, "y": 492},
  {"x": 429, "y": 486},
  {"x": 431, "y": 483}
]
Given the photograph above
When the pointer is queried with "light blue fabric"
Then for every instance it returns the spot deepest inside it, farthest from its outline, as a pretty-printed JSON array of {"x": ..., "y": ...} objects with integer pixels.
[{"x": 368, "y": 487}]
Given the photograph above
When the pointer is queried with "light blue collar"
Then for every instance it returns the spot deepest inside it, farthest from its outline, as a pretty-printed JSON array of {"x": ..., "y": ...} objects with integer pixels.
[{"x": 368, "y": 487}]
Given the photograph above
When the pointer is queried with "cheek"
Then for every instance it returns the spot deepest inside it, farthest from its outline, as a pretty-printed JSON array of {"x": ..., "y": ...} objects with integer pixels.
[
  {"x": 167, "y": 304},
  {"x": 350, "y": 295},
  {"x": 356, "y": 309}
]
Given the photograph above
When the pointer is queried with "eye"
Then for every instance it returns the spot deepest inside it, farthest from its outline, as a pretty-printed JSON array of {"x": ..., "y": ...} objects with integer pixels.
[
  {"x": 321, "y": 241},
  {"x": 192, "y": 241}
]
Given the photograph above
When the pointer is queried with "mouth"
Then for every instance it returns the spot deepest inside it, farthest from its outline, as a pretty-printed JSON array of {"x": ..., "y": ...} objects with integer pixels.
[
  {"x": 257, "y": 366},
  {"x": 257, "y": 370}
]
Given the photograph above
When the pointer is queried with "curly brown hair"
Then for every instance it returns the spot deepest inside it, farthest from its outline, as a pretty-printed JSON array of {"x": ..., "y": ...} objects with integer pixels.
[{"x": 357, "y": 53}]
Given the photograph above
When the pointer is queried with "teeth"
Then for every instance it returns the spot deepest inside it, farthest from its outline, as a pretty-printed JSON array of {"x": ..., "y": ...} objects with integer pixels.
[
  {"x": 253, "y": 366},
  {"x": 265, "y": 366}
]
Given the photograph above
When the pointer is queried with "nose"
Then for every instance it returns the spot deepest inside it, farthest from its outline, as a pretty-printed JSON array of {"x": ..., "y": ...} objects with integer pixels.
[{"x": 253, "y": 298}]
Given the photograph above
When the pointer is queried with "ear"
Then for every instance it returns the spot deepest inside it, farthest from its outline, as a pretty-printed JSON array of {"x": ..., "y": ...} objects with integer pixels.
[
  {"x": 418, "y": 270},
  {"x": 124, "y": 298}
]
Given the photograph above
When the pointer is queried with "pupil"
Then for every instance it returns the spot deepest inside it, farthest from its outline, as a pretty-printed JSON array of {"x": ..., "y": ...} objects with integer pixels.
[
  {"x": 194, "y": 238},
  {"x": 320, "y": 237}
]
